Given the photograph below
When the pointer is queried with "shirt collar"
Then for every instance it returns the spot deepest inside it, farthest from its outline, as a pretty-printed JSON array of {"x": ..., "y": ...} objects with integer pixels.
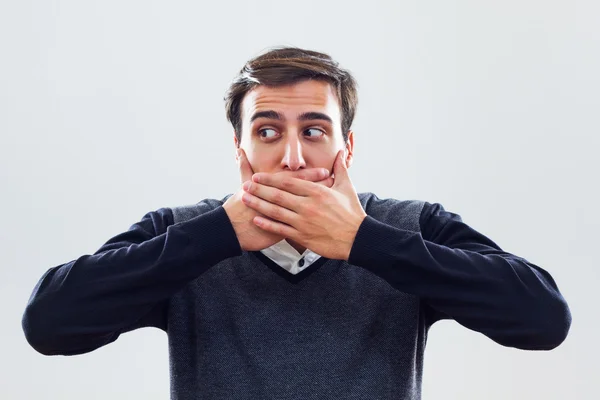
[{"x": 288, "y": 257}]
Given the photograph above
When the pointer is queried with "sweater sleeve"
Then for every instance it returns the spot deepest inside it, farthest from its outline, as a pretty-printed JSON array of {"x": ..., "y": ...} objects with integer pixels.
[
  {"x": 463, "y": 275},
  {"x": 87, "y": 303}
]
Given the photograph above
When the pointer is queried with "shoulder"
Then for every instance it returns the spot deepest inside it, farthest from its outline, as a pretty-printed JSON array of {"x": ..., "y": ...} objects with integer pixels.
[
  {"x": 156, "y": 222},
  {"x": 413, "y": 214},
  {"x": 401, "y": 213},
  {"x": 186, "y": 212}
]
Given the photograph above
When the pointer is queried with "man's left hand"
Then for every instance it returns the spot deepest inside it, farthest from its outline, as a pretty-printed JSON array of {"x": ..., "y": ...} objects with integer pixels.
[{"x": 322, "y": 219}]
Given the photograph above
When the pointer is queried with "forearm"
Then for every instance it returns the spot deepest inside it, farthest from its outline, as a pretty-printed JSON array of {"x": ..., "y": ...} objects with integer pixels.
[
  {"x": 513, "y": 302},
  {"x": 86, "y": 303}
]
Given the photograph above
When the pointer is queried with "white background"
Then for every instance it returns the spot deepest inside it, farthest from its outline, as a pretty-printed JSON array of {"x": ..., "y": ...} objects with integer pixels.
[{"x": 111, "y": 109}]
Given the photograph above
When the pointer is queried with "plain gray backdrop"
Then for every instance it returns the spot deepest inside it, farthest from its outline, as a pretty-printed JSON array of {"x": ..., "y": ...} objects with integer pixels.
[{"x": 111, "y": 109}]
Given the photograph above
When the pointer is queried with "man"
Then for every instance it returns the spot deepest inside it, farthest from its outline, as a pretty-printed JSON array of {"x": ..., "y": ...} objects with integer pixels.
[{"x": 295, "y": 286}]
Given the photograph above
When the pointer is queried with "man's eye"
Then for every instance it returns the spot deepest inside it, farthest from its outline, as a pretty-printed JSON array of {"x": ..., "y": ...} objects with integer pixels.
[
  {"x": 316, "y": 133},
  {"x": 267, "y": 133}
]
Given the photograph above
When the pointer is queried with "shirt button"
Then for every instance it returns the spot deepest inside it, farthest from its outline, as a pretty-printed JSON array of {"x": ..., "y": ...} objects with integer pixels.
[{"x": 301, "y": 262}]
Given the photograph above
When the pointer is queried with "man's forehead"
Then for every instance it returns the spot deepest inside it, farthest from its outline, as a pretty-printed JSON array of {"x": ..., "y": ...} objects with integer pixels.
[{"x": 300, "y": 97}]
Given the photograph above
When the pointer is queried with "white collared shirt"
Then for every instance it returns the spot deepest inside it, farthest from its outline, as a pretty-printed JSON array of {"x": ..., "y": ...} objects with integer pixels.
[{"x": 287, "y": 257}]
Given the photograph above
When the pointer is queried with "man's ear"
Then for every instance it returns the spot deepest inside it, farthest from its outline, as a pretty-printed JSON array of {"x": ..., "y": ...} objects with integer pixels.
[
  {"x": 349, "y": 151},
  {"x": 237, "y": 146}
]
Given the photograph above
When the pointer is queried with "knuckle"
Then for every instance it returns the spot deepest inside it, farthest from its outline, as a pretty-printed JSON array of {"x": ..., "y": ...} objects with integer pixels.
[
  {"x": 311, "y": 211},
  {"x": 276, "y": 213},
  {"x": 279, "y": 197}
]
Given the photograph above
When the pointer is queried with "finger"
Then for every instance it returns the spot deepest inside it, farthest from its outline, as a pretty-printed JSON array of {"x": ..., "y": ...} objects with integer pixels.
[
  {"x": 326, "y": 182},
  {"x": 340, "y": 170},
  {"x": 276, "y": 227},
  {"x": 274, "y": 195},
  {"x": 286, "y": 179},
  {"x": 311, "y": 174},
  {"x": 246, "y": 170},
  {"x": 270, "y": 210},
  {"x": 287, "y": 183}
]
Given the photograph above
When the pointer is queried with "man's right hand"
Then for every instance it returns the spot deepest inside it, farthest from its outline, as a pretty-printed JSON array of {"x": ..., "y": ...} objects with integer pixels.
[{"x": 250, "y": 236}]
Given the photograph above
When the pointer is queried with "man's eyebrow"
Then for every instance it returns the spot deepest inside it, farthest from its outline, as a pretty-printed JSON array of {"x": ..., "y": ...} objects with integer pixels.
[
  {"x": 267, "y": 114},
  {"x": 311, "y": 116},
  {"x": 307, "y": 116}
]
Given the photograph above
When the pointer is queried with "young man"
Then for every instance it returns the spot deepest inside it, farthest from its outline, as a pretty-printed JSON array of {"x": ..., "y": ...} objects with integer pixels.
[{"x": 295, "y": 286}]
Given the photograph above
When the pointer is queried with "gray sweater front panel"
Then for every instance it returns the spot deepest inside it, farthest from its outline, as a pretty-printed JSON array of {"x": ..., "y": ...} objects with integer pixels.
[{"x": 241, "y": 331}]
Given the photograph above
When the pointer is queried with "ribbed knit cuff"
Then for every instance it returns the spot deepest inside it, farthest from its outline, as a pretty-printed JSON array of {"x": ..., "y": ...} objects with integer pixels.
[
  {"x": 213, "y": 235},
  {"x": 377, "y": 244}
]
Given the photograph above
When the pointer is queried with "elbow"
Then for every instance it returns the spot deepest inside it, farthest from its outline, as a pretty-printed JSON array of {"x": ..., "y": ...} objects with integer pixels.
[
  {"x": 535, "y": 325},
  {"x": 38, "y": 331},
  {"x": 45, "y": 332},
  {"x": 56, "y": 322},
  {"x": 40, "y": 321},
  {"x": 547, "y": 327},
  {"x": 52, "y": 336},
  {"x": 556, "y": 325}
]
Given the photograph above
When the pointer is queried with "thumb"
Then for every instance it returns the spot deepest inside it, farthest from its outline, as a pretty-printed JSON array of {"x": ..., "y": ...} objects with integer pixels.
[
  {"x": 244, "y": 166},
  {"x": 340, "y": 170}
]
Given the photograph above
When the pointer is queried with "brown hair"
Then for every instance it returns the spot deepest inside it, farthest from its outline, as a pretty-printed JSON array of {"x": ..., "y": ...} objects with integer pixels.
[{"x": 282, "y": 66}]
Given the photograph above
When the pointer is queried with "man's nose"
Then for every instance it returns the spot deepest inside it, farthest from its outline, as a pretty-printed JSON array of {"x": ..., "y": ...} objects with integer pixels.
[{"x": 293, "y": 158}]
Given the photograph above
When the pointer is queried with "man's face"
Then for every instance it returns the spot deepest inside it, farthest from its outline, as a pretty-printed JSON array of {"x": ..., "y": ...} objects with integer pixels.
[{"x": 293, "y": 127}]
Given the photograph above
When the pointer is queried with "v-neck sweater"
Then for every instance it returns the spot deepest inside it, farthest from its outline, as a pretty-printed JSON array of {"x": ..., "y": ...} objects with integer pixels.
[{"x": 241, "y": 327}]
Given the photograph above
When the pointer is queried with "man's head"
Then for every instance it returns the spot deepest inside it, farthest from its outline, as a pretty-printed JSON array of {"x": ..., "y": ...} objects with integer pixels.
[{"x": 292, "y": 109}]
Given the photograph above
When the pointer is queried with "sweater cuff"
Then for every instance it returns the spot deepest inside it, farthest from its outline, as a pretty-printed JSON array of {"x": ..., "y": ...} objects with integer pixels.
[
  {"x": 213, "y": 236},
  {"x": 376, "y": 243}
]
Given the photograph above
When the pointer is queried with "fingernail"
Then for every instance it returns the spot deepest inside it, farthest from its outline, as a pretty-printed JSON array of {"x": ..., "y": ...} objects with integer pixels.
[{"x": 247, "y": 185}]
